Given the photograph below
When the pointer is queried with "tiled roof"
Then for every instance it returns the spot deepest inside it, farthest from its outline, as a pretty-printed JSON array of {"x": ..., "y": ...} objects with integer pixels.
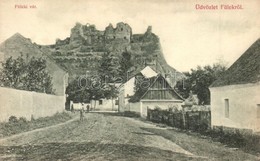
[{"x": 245, "y": 70}]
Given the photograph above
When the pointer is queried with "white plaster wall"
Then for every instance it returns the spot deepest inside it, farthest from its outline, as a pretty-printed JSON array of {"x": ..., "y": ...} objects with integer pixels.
[
  {"x": 243, "y": 100},
  {"x": 121, "y": 99},
  {"x": 107, "y": 105},
  {"x": 79, "y": 106},
  {"x": 129, "y": 87},
  {"x": 21, "y": 103},
  {"x": 134, "y": 107}
]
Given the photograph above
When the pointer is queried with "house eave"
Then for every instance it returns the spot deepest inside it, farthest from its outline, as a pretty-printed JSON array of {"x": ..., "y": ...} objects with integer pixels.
[{"x": 237, "y": 85}]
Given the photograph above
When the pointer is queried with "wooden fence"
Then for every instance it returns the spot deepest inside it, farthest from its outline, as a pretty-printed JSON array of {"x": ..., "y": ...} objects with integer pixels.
[{"x": 190, "y": 120}]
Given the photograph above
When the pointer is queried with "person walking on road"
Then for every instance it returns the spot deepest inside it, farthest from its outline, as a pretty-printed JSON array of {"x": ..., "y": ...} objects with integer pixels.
[
  {"x": 87, "y": 108},
  {"x": 81, "y": 115}
]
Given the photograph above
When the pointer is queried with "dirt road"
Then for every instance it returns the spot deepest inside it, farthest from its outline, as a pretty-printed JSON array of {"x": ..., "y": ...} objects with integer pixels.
[{"x": 107, "y": 137}]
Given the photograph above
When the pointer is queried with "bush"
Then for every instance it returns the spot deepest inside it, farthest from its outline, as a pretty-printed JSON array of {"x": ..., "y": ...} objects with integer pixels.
[
  {"x": 131, "y": 114},
  {"x": 157, "y": 108},
  {"x": 12, "y": 119},
  {"x": 22, "y": 120},
  {"x": 15, "y": 126},
  {"x": 253, "y": 143},
  {"x": 248, "y": 142}
]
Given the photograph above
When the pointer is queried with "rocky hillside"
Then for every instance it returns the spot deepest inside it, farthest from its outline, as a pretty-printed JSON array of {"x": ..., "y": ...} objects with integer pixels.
[{"x": 82, "y": 51}]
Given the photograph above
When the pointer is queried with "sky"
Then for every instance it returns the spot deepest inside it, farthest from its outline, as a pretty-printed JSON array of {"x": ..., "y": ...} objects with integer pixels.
[{"x": 189, "y": 37}]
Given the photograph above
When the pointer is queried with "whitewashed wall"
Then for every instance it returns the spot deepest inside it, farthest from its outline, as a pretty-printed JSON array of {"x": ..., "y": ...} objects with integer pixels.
[
  {"x": 243, "y": 100},
  {"x": 107, "y": 105},
  {"x": 21, "y": 103},
  {"x": 134, "y": 107},
  {"x": 79, "y": 106},
  {"x": 141, "y": 107},
  {"x": 129, "y": 87},
  {"x": 121, "y": 99}
]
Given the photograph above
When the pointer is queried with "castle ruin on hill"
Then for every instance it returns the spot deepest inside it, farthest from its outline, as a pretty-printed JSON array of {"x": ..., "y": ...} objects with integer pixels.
[
  {"x": 89, "y": 35},
  {"x": 85, "y": 46}
]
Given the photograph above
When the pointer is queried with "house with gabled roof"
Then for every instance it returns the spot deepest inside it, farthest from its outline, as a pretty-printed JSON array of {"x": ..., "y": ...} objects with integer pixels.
[
  {"x": 127, "y": 89},
  {"x": 235, "y": 96},
  {"x": 18, "y": 44},
  {"x": 148, "y": 89}
]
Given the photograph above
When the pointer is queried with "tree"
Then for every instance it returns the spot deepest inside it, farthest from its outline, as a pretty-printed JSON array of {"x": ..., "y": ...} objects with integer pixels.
[
  {"x": 85, "y": 89},
  {"x": 111, "y": 92},
  {"x": 26, "y": 74},
  {"x": 184, "y": 87},
  {"x": 108, "y": 68},
  {"x": 125, "y": 65},
  {"x": 13, "y": 72},
  {"x": 37, "y": 78},
  {"x": 199, "y": 80},
  {"x": 77, "y": 91}
]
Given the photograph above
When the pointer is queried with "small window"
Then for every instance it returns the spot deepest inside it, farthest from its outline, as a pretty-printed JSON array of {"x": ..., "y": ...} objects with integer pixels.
[
  {"x": 100, "y": 102},
  {"x": 226, "y": 108},
  {"x": 125, "y": 38},
  {"x": 258, "y": 111},
  {"x": 122, "y": 29}
]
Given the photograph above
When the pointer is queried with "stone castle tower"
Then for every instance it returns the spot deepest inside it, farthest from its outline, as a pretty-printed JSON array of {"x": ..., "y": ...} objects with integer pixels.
[{"x": 89, "y": 35}]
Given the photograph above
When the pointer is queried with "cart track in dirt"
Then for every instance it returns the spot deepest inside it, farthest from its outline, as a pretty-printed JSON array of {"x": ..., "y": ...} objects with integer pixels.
[{"x": 100, "y": 136}]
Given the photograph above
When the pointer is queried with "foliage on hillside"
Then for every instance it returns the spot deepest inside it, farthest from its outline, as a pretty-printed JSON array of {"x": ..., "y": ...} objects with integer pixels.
[
  {"x": 78, "y": 56},
  {"x": 102, "y": 85}
]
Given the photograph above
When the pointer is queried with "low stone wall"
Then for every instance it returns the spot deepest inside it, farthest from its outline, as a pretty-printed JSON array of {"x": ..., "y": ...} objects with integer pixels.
[{"x": 26, "y": 104}]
